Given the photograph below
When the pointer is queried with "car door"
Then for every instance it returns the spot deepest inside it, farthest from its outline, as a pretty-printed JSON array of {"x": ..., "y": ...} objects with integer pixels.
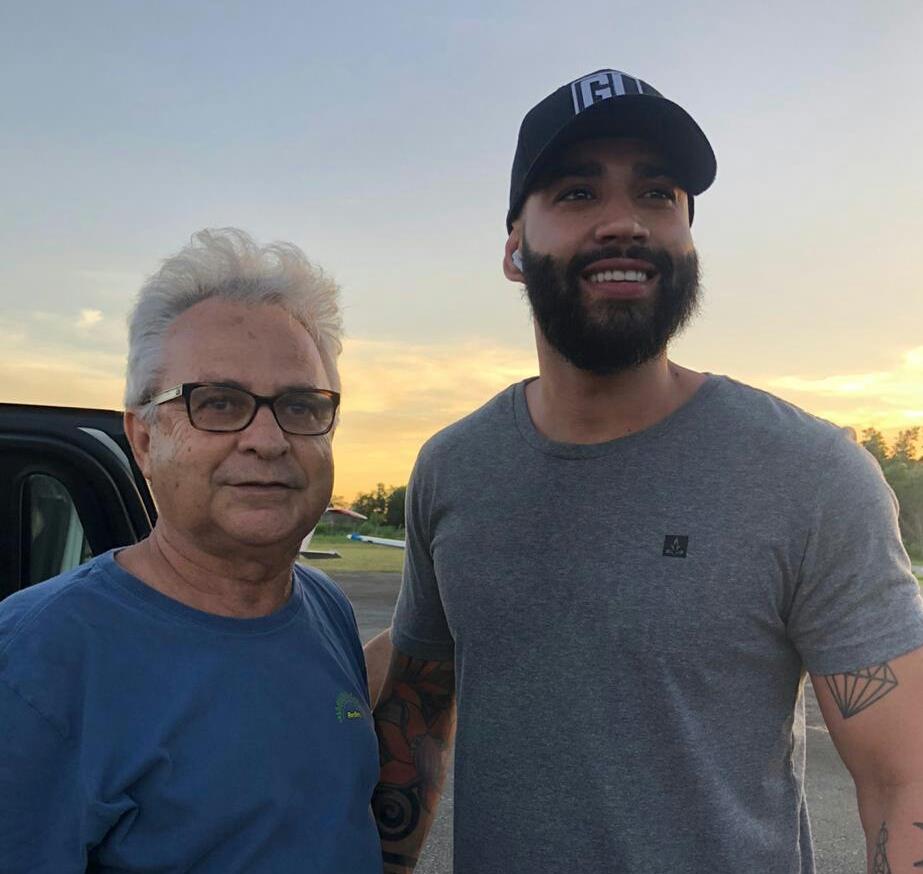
[{"x": 69, "y": 490}]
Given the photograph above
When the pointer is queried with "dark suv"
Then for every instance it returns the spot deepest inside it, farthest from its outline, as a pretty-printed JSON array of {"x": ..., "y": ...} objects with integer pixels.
[{"x": 69, "y": 490}]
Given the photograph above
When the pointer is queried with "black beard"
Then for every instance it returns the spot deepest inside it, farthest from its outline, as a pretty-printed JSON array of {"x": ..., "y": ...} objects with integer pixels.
[{"x": 609, "y": 336}]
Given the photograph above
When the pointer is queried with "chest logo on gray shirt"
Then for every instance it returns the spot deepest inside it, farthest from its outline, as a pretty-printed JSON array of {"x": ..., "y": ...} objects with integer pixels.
[{"x": 675, "y": 545}]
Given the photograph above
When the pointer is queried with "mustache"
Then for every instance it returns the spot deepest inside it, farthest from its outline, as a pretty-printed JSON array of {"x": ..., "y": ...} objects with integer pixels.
[{"x": 660, "y": 259}]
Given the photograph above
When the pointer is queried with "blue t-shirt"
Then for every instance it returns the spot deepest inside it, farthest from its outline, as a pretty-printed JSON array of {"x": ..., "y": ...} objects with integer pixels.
[{"x": 139, "y": 734}]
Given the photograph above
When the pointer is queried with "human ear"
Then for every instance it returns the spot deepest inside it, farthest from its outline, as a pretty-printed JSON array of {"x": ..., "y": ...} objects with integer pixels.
[
  {"x": 138, "y": 433},
  {"x": 512, "y": 257}
]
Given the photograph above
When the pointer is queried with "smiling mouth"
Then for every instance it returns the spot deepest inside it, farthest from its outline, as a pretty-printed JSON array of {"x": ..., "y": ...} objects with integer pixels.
[
  {"x": 620, "y": 276},
  {"x": 620, "y": 279}
]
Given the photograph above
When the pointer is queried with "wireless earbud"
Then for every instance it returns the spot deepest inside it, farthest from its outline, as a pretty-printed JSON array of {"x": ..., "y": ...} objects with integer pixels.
[{"x": 516, "y": 258}]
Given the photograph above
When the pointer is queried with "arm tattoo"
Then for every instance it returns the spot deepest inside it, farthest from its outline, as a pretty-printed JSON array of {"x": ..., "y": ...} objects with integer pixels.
[
  {"x": 880, "y": 860},
  {"x": 920, "y": 863},
  {"x": 857, "y": 690},
  {"x": 414, "y": 725}
]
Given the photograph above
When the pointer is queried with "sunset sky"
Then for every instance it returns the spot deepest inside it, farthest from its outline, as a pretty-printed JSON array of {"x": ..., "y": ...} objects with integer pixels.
[{"x": 380, "y": 141}]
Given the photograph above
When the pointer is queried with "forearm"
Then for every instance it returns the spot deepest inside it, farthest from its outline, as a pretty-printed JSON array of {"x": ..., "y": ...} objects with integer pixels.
[
  {"x": 377, "y": 654},
  {"x": 892, "y": 818},
  {"x": 415, "y": 721}
]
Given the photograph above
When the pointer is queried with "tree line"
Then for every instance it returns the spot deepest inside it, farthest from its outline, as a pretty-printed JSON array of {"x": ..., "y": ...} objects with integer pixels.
[
  {"x": 901, "y": 463},
  {"x": 383, "y": 506}
]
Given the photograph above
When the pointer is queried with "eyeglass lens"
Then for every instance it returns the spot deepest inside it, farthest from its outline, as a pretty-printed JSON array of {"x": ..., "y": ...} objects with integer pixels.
[{"x": 218, "y": 408}]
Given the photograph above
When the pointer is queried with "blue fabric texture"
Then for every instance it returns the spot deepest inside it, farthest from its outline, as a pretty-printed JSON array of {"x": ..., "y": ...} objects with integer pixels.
[{"x": 142, "y": 735}]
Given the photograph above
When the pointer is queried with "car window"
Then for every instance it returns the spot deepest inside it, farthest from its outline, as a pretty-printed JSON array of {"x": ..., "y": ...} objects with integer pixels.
[{"x": 55, "y": 535}]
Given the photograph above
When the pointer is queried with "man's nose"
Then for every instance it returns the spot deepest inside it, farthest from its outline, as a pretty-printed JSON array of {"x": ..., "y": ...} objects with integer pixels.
[
  {"x": 620, "y": 222},
  {"x": 263, "y": 435}
]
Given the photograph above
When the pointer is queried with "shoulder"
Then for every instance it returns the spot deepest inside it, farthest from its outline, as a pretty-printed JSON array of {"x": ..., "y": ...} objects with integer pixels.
[
  {"x": 787, "y": 442},
  {"x": 50, "y": 607},
  {"x": 770, "y": 421},
  {"x": 469, "y": 432},
  {"x": 331, "y": 609},
  {"x": 325, "y": 596},
  {"x": 754, "y": 408},
  {"x": 47, "y": 629}
]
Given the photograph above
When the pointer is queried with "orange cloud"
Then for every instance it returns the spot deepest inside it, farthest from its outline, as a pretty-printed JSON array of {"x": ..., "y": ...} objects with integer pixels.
[
  {"x": 885, "y": 399},
  {"x": 396, "y": 395},
  {"x": 47, "y": 361}
]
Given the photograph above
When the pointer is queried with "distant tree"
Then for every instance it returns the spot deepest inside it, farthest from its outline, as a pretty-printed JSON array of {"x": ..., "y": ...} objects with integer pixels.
[
  {"x": 905, "y": 445},
  {"x": 906, "y": 479},
  {"x": 383, "y": 506},
  {"x": 874, "y": 441},
  {"x": 395, "y": 514},
  {"x": 373, "y": 504},
  {"x": 904, "y": 472}
]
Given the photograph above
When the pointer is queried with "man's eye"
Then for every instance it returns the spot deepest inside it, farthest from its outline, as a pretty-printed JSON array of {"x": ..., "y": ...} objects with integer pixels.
[
  {"x": 304, "y": 407},
  {"x": 661, "y": 194},
  {"x": 570, "y": 194},
  {"x": 219, "y": 403}
]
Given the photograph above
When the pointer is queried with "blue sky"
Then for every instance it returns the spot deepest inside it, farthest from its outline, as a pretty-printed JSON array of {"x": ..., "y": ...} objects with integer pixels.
[{"x": 380, "y": 140}]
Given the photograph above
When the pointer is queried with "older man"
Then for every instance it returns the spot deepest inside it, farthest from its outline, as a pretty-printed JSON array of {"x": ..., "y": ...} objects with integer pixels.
[{"x": 198, "y": 701}]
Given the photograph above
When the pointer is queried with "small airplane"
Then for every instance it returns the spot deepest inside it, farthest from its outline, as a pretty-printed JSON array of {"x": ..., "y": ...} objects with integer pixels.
[
  {"x": 378, "y": 541},
  {"x": 306, "y": 552}
]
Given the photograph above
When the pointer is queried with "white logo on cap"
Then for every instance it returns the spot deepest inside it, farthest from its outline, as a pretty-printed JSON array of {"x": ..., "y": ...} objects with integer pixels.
[{"x": 603, "y": 85}]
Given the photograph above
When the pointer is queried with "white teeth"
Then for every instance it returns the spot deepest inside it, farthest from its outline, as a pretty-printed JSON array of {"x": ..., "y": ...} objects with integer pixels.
[{"x": 619, "y": 276}]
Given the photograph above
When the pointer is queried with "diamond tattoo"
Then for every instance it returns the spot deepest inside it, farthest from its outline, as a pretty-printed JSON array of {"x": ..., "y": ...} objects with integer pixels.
[{"x": 857, "y": 690}]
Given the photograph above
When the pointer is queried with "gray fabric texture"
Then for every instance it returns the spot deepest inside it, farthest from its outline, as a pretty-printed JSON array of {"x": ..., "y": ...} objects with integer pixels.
[{"x": 626, "y": 710}]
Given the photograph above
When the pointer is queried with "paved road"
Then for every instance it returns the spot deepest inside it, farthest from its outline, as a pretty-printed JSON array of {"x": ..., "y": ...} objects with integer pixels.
[{"x": 838, "y": 838}]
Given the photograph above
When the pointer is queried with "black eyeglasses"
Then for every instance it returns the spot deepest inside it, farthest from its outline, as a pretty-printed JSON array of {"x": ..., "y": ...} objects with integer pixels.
[{"x": 308, "y": 412}]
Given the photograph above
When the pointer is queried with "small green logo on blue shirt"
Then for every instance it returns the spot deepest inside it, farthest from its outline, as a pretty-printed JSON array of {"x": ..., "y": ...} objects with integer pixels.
[{"x": 348, "y": 706}]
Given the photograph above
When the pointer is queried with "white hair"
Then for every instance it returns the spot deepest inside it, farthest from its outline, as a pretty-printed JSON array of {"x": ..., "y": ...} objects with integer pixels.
[{"x": 227, "y": 263}]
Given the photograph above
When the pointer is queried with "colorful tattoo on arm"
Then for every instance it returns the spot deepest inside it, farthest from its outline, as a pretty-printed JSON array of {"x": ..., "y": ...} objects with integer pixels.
[
  {"x": 856, "y": 691},
  {"x": 414, "y": 720}
]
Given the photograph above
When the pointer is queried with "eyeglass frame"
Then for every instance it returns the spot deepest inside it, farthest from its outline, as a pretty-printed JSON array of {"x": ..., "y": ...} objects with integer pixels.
[{"x": 185, "y": 389}]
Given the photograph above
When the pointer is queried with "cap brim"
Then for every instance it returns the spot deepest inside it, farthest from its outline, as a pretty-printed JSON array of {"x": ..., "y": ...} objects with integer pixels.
[{"x": 656, "y": 120}]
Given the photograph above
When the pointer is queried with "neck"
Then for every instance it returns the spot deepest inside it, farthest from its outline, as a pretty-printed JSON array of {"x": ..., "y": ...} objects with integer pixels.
[
  {"x": 570, "y": 405},
  {"x": 242, "y": 587}
]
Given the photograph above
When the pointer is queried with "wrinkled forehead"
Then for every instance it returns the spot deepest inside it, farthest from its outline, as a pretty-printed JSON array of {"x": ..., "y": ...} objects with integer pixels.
[{"x": 251, "y": 344}]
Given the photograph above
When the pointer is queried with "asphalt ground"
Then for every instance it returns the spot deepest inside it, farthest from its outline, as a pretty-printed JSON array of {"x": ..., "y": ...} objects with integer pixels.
[{"x": 839, "y": 845}]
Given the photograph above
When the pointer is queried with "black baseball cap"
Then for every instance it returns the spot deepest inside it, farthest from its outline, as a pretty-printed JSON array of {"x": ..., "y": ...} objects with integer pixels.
[{"x": 609, "y": 103}]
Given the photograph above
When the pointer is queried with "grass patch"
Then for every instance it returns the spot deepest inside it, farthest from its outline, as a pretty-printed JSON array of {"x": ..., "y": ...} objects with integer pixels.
[{"x": 355, "y": 556}]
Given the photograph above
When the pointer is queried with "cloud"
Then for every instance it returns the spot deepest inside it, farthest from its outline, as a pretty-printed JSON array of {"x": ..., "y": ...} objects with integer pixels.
[
  {"x": 396, "y": 395},
  {"x": 44, "y": 360},
  {"x": 88, "y": 318},
  {"x": 884, "y": 399}
]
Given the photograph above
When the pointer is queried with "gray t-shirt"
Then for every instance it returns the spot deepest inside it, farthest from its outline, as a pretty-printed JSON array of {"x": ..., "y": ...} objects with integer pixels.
[{"x": 631, "y": 622}]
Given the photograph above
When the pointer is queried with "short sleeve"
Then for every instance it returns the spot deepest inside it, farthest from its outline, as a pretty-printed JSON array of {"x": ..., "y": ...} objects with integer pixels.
[
  {"x": 420, "y": 628},
  {"x": 856, "y": 603}
]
